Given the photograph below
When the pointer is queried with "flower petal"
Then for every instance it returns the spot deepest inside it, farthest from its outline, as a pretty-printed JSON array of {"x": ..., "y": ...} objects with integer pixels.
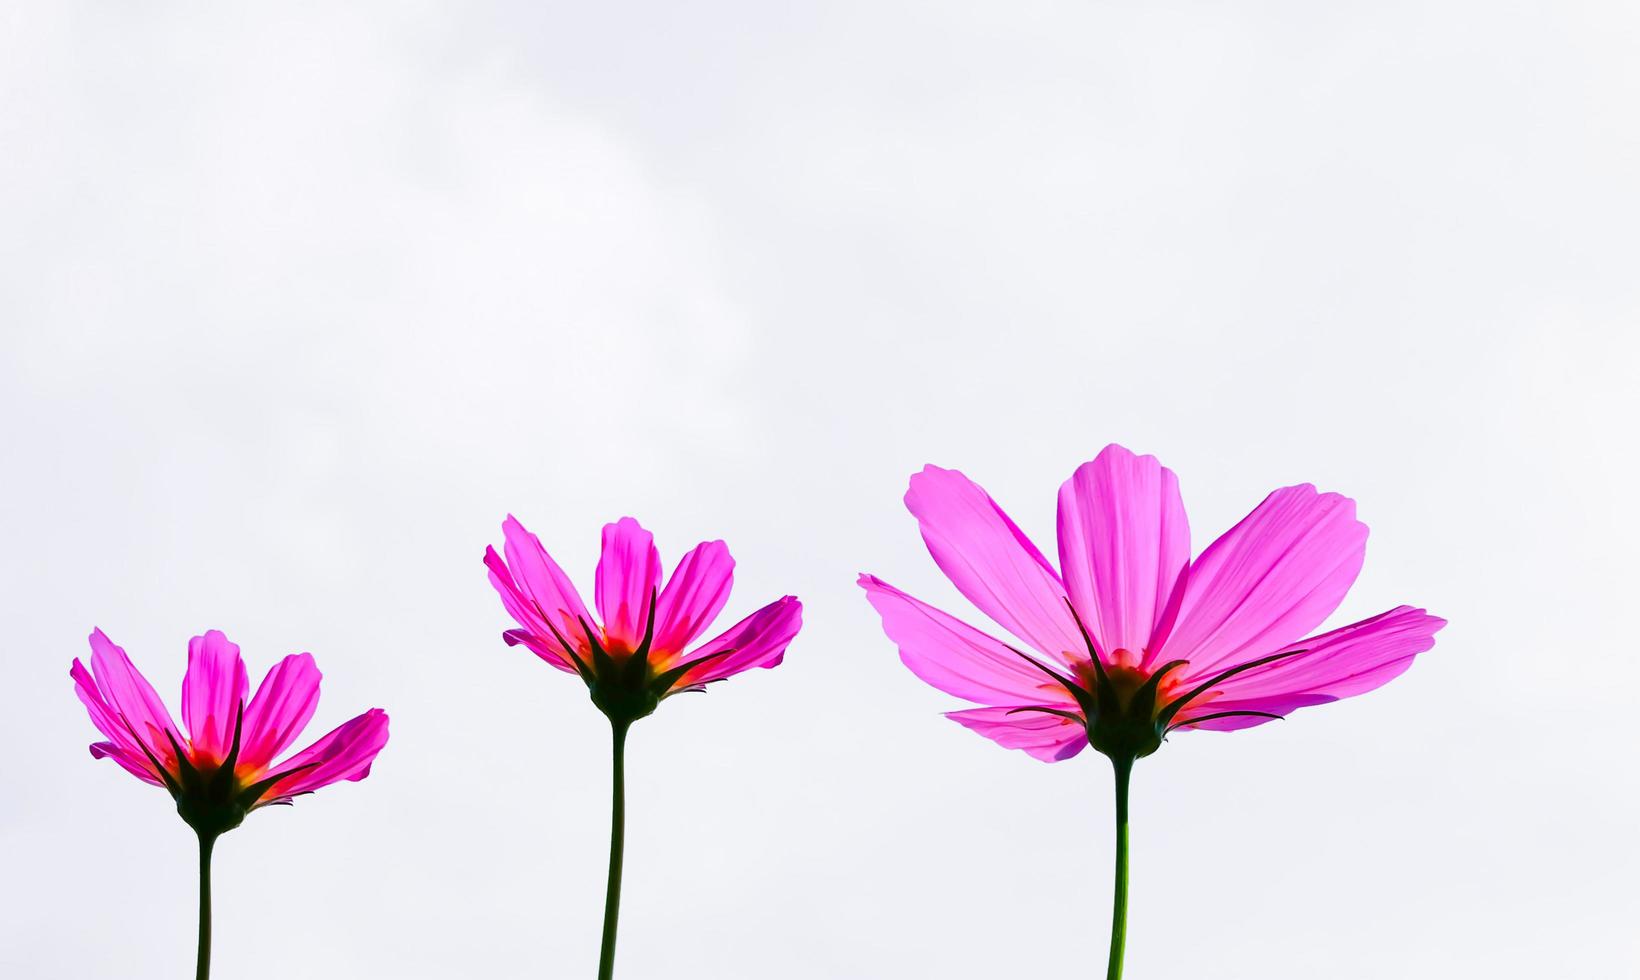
[
  {"x": 1350, "y": 660},
  {"x": 132, "y": 762},
  {"x": 629, "y": 571},
  {"x": 283, "y": 705},
  {"x": 1049, "y": 738},
  {"x": 345, "y": 753},
  {"x": 693, "y": 597},
  {"x": 1123, "y": 543},
  {"x": 213, "y": 690},
  {"x": 133, "y": 699},
  {"x": 955, "y": 657},
  {"x": 1233, "y": 716},
  {"x": 991, "y": 561},
  {"x": 759, "y": 640},
  {"x": 121, "y": 746},
  {"x": 535, "y": 634},
  {"x": 102, "y": 714},
  {"x": 544, "y": 586},
  {"x": 1269, "y": 580}
]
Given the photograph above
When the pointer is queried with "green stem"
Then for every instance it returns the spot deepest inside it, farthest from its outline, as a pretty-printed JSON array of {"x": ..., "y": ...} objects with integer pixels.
[
  {"x": 617, "y": 841},
  {"x": 1118, "y": 910},
  {"x": 202, "y": 970}
]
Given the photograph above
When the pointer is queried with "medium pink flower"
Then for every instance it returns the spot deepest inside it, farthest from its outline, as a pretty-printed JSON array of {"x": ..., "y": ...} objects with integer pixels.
[
  {"x": 636, "y": 652},
  {"x": 1128, "y": 640},
  {"x": 223, "y": 767}
]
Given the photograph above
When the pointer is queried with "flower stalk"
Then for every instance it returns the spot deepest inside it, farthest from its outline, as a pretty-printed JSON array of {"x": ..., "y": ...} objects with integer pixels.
[
  {"x": 617, "y": 847},
  {"x": 202, "y": 966},
  {"x": 1118, "y": 909}
]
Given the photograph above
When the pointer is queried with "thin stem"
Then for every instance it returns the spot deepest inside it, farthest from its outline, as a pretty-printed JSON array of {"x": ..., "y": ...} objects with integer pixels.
[
  {"x": 1118, "y": 910},
  {"x": 617, "y": 840},
  {"x": 202, "y": 970}
]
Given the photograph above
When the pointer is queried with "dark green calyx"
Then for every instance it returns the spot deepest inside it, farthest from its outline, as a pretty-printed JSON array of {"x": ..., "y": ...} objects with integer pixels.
[
  {"x": 621, "y": 688},
  {"x": 626, "y": 688},
  {"x": 211, "y": 799},
  {"x": 1124, "y": 709}
]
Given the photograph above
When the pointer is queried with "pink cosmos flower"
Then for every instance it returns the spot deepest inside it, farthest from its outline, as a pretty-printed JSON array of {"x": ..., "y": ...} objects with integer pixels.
[
  {"x": 637, "y": 651},
  {"x": 225, "y": 765},
  {"x": 1128, "y": 639}
]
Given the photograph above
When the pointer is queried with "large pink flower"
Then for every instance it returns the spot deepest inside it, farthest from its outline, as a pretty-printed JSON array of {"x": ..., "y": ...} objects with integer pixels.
[
  {"x": 1128, "y": 639},
  {"x": 636, "y": 651},
  {"x": 224, "y": 766}
]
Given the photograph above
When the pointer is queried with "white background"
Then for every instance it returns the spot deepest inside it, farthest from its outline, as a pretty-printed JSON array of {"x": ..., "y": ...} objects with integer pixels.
[{"x": 298, "y": 303}]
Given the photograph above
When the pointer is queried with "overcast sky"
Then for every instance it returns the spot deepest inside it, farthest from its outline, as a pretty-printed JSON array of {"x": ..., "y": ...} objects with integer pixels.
[{"x": 297, "y": 303}]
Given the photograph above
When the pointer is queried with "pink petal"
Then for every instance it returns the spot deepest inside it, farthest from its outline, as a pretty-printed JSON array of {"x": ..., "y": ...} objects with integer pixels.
[
  {"x": 542, "y": 583},
  {"x": 345, "y": 753},
  {"x": 693, "y": 596},
  {"x": 1269, "y": 580},
  {"x": 121, "y": 746},
  {"x": 1049, "y": 738},
  {"x": 545, "y": 647},
  {"x": 283, "y": 705},
  {"x": 102, "y": 714},
  {"x": 629, "y": 571},
  {"x": 213, "y": 690},
  {"x": 1363, "y": 656},
  {"x": 132, "y": 762},
  {"x": 1201, "y": 715},
  {"x": 955, "y": 657},
  {"x": 759, "y": 640},
  {"x": 132, "y": 699},
  {"x": 991, "y": 561},
  {"x": 535, "y": 633},
  {"x": 1348, "y": 661},
  {"x": 1123, "y": 543}
]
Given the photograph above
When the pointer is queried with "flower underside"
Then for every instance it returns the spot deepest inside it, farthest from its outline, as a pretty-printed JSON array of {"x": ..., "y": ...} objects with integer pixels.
[
  {"x": 213, "y": 799},
  {"x": 1126, "y": 710},
  {"x": 627, "y": 686}
]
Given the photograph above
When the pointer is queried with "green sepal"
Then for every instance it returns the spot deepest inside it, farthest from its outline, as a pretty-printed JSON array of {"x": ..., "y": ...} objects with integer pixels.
[
  {"x": 1087, "y": 640},
  {"x": 642, "y": 653},
  {"x": 1127, "y": 724},
  {"x": 252, "y": 795},
  {"x": 1228, "y": 714},
  {"x": 663, "y": 682},
  {"x": 210, "y": 802},
  {"x": 1084, "y": 699},
  {"x": 622, "y": 689},
  {"x": 1175, "y": 706},
  {"x": 1145, "y": 696},
  {"x": 185, "y": 766},
  {"x": 580, "y": 665},
  {"x": 1044, "y": 709}
]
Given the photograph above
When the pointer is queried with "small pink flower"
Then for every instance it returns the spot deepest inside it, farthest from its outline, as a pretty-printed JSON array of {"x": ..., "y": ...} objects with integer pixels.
[
  {"x": 636, "y": 651},
  {"x": 1128, "y": 639},
  {"x": 224, "y": 766}
]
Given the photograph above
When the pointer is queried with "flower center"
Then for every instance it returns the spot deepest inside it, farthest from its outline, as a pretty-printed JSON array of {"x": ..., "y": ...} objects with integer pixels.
[{"x": 1124, "y": 679}]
